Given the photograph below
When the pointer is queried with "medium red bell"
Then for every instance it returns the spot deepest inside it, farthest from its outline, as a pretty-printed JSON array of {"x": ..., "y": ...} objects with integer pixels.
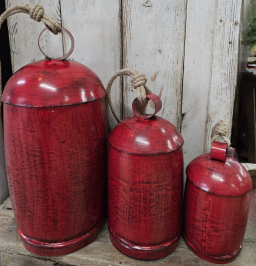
[
  {"x": 216, "y": 205},
  {"x": 55, "y": 147},
  {"x": 145, "y": 181}
]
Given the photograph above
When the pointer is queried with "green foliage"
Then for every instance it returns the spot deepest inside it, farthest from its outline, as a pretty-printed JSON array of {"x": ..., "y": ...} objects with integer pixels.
[{"x": 251, "y": 36}]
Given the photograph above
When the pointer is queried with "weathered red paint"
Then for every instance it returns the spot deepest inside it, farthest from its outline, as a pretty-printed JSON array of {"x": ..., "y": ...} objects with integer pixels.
[
  {"x": 216, "y": 205},
  {"x": 145, "y": 181},
  {"x": 55, "y": 146},
  {"x": 219, "y": 151}
]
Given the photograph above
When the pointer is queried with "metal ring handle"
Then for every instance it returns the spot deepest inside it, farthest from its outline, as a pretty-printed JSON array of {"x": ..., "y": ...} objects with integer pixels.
[
  {"x": 136, "y": 106},
  {"x": 68, "y": 53}
]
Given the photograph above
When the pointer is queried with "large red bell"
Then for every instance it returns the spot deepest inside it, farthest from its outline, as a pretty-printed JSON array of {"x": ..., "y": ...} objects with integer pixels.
[
  {"x": 216, "y": 205},
  {"x": 145, "y": 181},
  {"x": 55, "y": 147}
]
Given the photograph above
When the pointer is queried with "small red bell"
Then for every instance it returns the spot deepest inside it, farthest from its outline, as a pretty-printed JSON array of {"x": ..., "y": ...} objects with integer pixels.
[
  {"x": 216, "y": 205},
  {"x": 145, "y": 181}
]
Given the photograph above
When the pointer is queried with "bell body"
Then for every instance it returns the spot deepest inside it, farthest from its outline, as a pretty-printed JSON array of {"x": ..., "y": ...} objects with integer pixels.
[
  {"x": 216, "y": 206},
  {"x": 145, "y": 180},
  {"x": 55, "y": 146}
]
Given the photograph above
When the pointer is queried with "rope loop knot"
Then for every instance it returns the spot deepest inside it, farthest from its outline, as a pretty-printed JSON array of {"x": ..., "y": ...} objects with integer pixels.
[
  {"x": 220, "y": 132},
  {"x": 36, "y": 13},
  {"x": 138, "y": 82}
]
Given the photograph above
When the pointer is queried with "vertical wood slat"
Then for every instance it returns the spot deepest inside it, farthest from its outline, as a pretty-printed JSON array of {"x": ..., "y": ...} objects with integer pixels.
[
  {"x": 153, "y": 43},
  {"x": 96, "y": 27},
  {"x": 224, "y": 65},
  {"x": 210, "y": 70}
]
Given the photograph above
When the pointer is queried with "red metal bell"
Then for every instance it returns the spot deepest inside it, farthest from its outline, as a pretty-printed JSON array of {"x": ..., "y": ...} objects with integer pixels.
[
  {"x": 145, "y": 180},
  {"x": 55, "y": 146},
  {"x": 216, "y": 205}
]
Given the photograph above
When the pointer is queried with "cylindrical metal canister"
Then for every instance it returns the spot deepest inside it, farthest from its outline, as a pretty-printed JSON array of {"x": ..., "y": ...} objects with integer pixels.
[
  {"x": 145, "y": 180},
  {"x": 216, "y": 205},
  {"x": 55, "y": 147}
]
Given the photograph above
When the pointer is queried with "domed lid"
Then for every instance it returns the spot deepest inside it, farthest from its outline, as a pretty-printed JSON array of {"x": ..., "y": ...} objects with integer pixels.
[
  {"x": 153, "y": 135},
  {"x": 219, "y": 174},
  {"x": 48, "y": 83}
]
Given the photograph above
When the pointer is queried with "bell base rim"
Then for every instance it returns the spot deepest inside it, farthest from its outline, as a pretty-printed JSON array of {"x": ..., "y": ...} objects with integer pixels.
[
  {"x": 218, "y": 260},
  {"x": 137, "y": 253},
  {"x": 62, "y": 248}
]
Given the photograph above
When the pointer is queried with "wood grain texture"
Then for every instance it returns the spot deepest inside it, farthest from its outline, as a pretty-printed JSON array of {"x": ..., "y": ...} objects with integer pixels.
[
  {"x": 210, "y": 70},
  {"x": 96, "y": 27},
  {"x": 102, "y": 253},
  {"x": 224, "y": 65},
  {"x": 153, "y": 43},
  {"x": 24, "y": 33}
]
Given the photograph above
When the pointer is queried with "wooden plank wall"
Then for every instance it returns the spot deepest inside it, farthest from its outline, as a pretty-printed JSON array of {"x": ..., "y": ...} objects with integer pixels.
[
  {"x": 188, "y": 50},
  {"x": 210, "y": 70}
]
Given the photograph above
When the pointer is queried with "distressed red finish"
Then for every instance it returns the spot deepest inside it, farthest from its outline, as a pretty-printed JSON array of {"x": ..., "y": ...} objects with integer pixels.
[
  {"x": 55, "y": 146},
  {"x": 216, "y": 205},
  {"x": 145, "y": 181},
  {"x": 218, "y": 151}
]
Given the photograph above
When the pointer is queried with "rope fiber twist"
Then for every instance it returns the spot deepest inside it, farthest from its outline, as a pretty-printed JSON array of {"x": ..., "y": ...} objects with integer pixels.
[
  {"x": 36, "y": 13},
  {"x": 138, "y": 82},
  {"x": 220, "y": 132}
]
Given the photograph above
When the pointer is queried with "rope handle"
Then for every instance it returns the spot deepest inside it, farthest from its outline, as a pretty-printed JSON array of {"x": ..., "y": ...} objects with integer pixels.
[
  {"x": 220, "y": 134},
  {"x": 138, "y": 82},
  {"x": 36, "y": 13}
]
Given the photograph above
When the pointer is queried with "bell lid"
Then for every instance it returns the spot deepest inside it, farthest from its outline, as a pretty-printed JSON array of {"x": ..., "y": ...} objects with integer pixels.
[
  {"x": 52, "y": 83},
  {"x": 219, "y": 174},
  {"x": 145, "y": 136}
]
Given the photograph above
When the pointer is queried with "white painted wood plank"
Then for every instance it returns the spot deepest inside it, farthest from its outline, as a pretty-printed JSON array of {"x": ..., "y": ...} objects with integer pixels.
[
  {"x": 153, "y": 43},
  {"x": 210, "y": 70},
  {"x": 224, "y": 65},
  {"x": 249, "y": 166},
  {"x": 197, "y": 75},
  {"x": 95, "y": 25},
  {"x": 24, "y": 33}
]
